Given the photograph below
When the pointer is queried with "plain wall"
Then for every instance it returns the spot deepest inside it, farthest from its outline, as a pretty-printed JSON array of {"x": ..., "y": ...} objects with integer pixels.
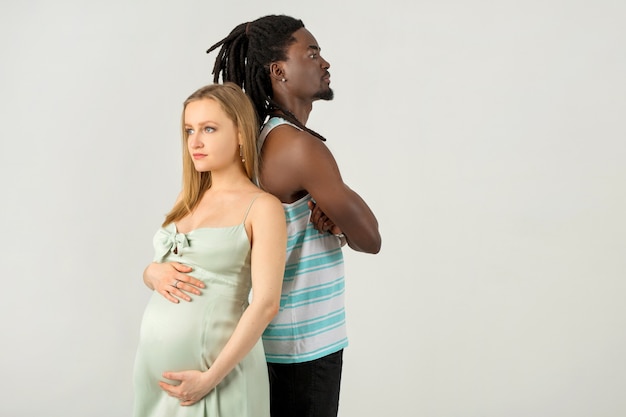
[{"x": 487, "y": 137}]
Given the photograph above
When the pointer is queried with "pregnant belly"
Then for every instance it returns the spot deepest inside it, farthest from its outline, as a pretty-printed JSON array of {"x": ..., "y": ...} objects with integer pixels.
[{"x": 184, "y": 336}]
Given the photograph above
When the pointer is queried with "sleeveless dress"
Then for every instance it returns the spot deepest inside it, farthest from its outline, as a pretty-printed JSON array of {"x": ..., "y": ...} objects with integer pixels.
[{"x": 190, "y": 335}]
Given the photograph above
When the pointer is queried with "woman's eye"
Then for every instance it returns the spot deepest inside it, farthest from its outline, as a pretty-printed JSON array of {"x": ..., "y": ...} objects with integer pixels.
[
  {"x": 189, "y": 131},
  {"x": 208, "y": 129}
]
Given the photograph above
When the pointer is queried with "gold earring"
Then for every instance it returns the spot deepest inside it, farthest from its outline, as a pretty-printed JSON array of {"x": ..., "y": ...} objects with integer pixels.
[{"x": 241, "y": 153}]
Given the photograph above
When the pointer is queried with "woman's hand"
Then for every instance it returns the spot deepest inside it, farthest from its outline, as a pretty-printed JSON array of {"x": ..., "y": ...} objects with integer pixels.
[
  {"x": 193, "y": 386},
  {"x": 170, "y": 279}
]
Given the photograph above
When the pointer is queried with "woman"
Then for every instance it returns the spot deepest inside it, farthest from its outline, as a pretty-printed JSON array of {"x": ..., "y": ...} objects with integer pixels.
[{"x": 205, "y": 357}]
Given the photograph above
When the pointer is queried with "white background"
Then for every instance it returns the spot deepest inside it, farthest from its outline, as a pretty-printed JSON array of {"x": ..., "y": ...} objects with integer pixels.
[{"x": 487, "y": 136}]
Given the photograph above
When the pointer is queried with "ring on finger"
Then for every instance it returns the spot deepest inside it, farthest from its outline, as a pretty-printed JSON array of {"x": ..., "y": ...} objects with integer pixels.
[{"x": 176, "y": 283}]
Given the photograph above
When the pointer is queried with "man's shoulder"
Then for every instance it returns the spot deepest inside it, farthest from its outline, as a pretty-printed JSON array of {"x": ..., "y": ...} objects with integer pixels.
[
  {"x": 293, "y": 138},
  {"x": 291, "y": 158},
  {"x": 279, "y": 127},
  {"x": 288, "y": 131}
]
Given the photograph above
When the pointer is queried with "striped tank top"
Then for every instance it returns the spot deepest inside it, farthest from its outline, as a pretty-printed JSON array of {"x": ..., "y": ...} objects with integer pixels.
[{"x": 311, "y": 322}]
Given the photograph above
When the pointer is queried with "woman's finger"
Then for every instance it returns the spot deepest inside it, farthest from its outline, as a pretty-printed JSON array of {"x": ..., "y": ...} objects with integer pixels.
[
  {"x": 165, "y": 293},
  {"x": 188, "y": 286},
  {"x": 181, "y": 267},
  {"x": 176, "y": 290}
]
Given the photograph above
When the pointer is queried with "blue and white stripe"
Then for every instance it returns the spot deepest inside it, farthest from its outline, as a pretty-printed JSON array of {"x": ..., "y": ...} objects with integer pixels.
[{"x": 311, "y": 322}]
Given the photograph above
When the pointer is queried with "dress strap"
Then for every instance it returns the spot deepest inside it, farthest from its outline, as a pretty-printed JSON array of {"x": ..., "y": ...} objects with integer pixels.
[{"x": 249, "y": 207}]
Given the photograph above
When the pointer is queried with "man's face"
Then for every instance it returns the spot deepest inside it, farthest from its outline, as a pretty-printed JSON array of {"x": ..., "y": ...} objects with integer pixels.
[{"x": 305, "y": 70}]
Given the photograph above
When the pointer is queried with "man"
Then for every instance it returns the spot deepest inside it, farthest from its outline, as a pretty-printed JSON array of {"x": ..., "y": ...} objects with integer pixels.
[{"x": 277, "y": 61}]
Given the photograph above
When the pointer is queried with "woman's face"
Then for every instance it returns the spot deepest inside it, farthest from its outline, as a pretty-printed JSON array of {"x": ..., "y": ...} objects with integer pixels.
[{"x": 212, "y": 137}]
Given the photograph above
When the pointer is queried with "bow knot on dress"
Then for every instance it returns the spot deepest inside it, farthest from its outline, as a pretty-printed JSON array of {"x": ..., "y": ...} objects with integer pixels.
[{"x": 168, "y": 241}]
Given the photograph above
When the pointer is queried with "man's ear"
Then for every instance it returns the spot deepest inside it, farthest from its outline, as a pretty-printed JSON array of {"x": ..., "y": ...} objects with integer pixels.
[{"x": 276, "y": 71}]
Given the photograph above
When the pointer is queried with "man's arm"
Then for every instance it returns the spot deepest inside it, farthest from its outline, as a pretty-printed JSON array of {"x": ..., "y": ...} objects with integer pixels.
[{"x": 296, "y": 160}]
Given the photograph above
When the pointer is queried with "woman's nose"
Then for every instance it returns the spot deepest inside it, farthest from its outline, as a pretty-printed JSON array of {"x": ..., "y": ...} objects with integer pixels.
[{"x": 194, "y": 141}]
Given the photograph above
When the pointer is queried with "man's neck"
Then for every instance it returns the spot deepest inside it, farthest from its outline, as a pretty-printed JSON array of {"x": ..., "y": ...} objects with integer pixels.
[{"x": 299, "y": 109}]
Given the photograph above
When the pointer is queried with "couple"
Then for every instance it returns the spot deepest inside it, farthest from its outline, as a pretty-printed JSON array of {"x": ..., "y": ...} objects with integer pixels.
[{"x": 225, "y": 237}]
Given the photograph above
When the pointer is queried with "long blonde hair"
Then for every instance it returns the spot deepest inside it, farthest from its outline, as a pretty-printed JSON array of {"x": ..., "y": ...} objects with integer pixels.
[{"x": 239, "y": 108}]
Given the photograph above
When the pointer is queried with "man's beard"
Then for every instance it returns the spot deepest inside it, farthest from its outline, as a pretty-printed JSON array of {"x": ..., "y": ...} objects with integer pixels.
[{"x": 325, "y": 95}]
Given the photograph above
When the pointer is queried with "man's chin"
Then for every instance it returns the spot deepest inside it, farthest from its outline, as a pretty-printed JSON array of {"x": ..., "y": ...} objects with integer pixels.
[{"x": 325, "y": 95}]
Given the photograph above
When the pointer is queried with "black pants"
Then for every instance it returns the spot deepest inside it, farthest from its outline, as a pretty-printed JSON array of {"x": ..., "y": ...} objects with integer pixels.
[{"x": 308, "y": 389}]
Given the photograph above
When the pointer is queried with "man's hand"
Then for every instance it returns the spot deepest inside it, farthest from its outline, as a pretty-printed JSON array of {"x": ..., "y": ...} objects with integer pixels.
[{"x": 321, "y": 222}]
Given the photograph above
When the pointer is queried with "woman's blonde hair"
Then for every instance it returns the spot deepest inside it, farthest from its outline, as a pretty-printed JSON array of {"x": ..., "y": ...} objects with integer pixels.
[{"x": 239, "y": 108}]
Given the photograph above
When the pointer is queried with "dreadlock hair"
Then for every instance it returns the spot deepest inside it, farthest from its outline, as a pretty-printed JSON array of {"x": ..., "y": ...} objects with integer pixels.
[{"x": 245, "y": 57}]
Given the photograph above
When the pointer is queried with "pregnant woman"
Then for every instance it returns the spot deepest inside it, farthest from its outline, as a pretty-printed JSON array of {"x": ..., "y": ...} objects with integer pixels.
[{"x": 204, "y": 357}]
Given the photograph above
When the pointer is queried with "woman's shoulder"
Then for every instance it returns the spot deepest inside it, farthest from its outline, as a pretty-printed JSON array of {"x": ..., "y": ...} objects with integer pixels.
[
  {"x": 264, "y": 204},
  {"x": 266, "y": 219},
  {"x": 267, "y": 200}
]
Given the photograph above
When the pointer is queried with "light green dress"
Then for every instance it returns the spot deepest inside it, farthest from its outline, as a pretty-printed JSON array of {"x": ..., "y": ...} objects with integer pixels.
[{"x": 190, "y": 335}]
